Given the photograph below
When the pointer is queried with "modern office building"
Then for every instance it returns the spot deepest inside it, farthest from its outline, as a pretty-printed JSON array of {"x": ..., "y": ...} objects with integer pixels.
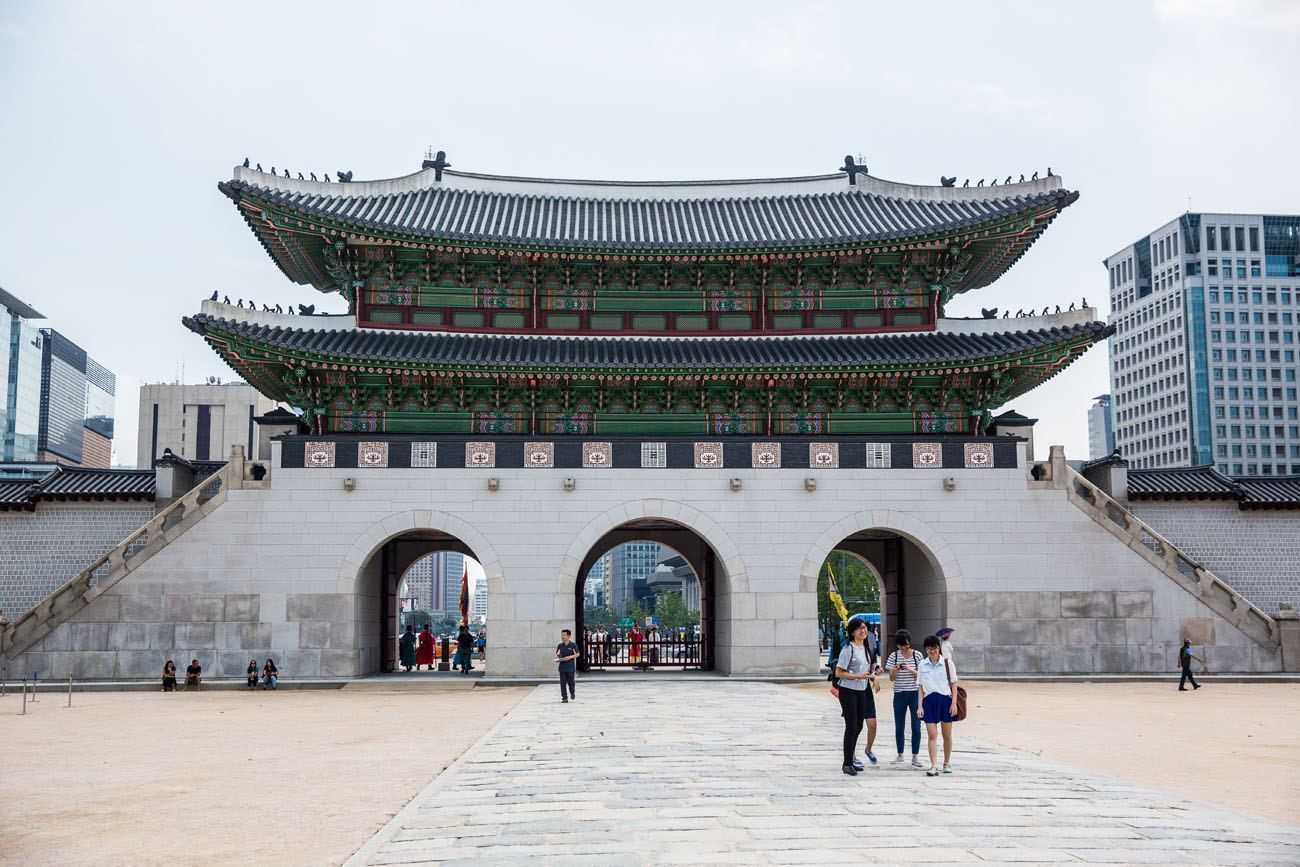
[
  {"x": 76, "y": 405},
  {"x": 1101, "y": 429},
  {"x": 478, "y": 602},
  {"x": 629, "y": 563},
  {"x": 198, "y": 422},
  {"x": 595, "y": 589},
  {"x": 1203, "y": 359},
  {"x": 435, "y": 581},
  {"x": 20, "y": 374}
]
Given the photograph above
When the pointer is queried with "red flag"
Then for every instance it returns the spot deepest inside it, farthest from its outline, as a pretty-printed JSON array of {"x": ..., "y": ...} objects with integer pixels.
[{"x": 464, "y": 597}]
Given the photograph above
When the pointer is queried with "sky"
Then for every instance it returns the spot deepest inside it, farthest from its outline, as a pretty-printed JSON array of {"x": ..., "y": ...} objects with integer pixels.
[{"x": 118, "y": 120}]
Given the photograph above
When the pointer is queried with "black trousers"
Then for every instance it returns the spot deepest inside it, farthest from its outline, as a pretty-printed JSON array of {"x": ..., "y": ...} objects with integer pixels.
[
  {"x": 1187, "y": 675},
  {"x": 853, "y": 704},
  {"x": 567, "y": 678}
]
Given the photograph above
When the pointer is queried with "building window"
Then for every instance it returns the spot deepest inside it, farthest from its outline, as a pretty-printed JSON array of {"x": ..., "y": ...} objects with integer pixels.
[
  {"x": 1254, "y": 239},
  {"x": 1225, "y": 238},
  {"x": 424, "y": 455},
  {"x": 654, "y": 455},
  {"x": 1210, "y": 238},
  {"x": 878, "y": 455}
]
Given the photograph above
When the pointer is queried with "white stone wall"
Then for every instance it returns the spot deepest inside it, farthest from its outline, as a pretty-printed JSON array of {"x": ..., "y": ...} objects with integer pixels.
[
  {"x": 1257, "y": 551},
  {"x": 1029, "y": 580},
  {"x": 41, "y": 550}
]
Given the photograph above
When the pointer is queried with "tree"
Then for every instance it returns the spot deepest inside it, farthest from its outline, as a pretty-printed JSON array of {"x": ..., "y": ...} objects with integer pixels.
[
  {"x": 671, "y": 610},
  {"x": 416, "y": 619},
  {"x": 858, "y": 585}
]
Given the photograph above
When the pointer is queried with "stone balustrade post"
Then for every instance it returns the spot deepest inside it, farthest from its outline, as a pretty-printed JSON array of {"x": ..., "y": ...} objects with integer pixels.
[
  {"x": 1057, "y": 467},
  {"x": 1288, "y": 624}
]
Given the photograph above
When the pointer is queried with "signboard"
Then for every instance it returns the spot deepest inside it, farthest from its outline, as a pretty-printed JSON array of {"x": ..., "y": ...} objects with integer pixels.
[
  {"x": 408, "y": 603},
  {"x": 625, "y": 623},
  {"x": 652, "y": 621}
]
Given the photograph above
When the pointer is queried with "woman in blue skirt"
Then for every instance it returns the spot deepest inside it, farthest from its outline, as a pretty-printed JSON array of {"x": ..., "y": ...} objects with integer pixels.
[{"x": 936, "y": 676}]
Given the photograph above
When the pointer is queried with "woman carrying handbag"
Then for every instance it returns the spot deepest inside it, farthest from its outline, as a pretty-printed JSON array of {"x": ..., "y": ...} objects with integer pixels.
[{"x": 939, "y": 709}]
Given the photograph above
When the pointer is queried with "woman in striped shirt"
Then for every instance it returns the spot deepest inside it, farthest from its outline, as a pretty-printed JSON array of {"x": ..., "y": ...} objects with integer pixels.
[{"x": 901, "y": 666}]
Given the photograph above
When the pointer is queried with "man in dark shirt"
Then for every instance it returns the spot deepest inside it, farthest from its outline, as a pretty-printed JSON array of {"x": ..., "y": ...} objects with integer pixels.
[{"x": 566, "y": 654}]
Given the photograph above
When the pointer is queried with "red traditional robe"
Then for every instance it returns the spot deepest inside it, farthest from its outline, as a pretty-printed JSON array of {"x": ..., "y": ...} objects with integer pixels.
[{"x": 424, "y": 653}]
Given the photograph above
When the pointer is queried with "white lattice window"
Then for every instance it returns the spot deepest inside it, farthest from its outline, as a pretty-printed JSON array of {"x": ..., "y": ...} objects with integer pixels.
[
  {"x": 878, "y": 455},
  {"x": 424, "y": 454},
  {"x": 654, "y": 454}
]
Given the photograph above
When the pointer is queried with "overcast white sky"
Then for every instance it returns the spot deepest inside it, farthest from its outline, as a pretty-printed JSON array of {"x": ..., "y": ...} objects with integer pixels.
[{"x": 119, "y": 119}]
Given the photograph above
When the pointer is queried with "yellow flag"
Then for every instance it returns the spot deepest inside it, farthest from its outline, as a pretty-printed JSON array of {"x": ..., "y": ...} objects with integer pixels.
[{"x": 834, "y": 594}]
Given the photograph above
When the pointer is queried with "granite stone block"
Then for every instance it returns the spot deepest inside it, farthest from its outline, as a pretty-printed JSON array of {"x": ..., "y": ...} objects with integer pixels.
[
  {"x": 1134, "y": 603},
  {"x": 1038, "y": 604},
  {"x": 968, "y": 605},
  {"x": 207, "y": 609},
  {"x": 1087, "y": 603},
  {"x": 254, "y": 635},
  {"x": 1138, "y": 630},
  {"x": 313, "y": 635},
  {"x": 1111, "y": 631},
  {"x": 241, "y": 607},
  {"x": 338, "y": 663},
  {"x": 1117, "y": 660},
  {"x": 1199, "y": 630},
  {"x": 142, "y": 609},
  {"x": 1080, "y": 631},
  {"x": 1013, "y": 632},
  {"x": 88, "y": 636},
  {"x": 196, "y": 635}
]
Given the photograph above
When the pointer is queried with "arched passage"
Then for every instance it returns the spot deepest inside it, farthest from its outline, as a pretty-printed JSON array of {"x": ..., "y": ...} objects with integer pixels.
[
  {"x": 645, "y": 599},
  {"x": 915, "y": 567},
  {"x": 379, "y": 560},
  {"x": 623, "y": 645}
]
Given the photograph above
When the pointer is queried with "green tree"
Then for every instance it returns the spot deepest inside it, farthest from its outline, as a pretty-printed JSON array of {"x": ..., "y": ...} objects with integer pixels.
[
  {"x": 416, "y": 619},
  {"x": 857, "y": 583},
  {"x": 671, "y": 610}
]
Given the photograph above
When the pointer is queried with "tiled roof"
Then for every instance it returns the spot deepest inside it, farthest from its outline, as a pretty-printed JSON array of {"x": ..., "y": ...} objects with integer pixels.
[
  {"x": 626, "y": 221},
  {"x": 76, "y": 483},
  {"x": 1265, "y": 492},
  {"x": 633, "y": 353},
  {"x": 1182, "y": 483},
  {"x": 1207, "y": 483}
]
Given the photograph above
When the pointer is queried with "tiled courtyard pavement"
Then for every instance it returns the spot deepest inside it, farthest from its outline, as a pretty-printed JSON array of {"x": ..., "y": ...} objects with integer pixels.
[{"x": 719, "y": 772}]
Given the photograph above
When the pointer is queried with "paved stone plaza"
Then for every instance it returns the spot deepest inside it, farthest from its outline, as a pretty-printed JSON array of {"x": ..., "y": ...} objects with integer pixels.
[{"x": 739, "y": 773}]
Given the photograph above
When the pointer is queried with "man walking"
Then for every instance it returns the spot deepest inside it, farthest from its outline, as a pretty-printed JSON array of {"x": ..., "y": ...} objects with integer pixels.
[
  {"x": 566, "y": 654},
  {"x": 1185, "y": 657}
]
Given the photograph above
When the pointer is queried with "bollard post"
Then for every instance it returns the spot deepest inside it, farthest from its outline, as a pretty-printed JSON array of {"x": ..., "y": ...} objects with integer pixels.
[
  {"x": 4, "y": 680},
  {"x": 24, "y": 711},
  {"x": 69, "y": 689},
  {"x": 36, "y": 678}
]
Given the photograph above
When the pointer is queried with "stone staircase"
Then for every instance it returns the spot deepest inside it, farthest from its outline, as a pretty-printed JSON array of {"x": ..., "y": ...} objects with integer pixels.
[
  {"x": 1212, "y": 591},
  {"x": 98, "y": 577}
]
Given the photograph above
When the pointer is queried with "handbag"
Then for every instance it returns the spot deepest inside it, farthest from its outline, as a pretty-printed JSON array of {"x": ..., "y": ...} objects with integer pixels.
[{"x": 959, "y": 692}]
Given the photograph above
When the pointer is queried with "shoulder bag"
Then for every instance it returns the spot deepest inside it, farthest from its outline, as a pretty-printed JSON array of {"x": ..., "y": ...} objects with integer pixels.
[{"x": 958, "y": 691}]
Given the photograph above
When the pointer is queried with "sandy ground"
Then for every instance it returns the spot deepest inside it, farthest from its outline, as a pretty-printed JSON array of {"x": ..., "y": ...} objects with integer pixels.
[
  {"x": 224, "y": 777},
  {"x": 1232, "y": 744}
]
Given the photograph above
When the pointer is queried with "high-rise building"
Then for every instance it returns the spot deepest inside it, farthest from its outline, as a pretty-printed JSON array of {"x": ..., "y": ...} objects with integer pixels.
[
  {"x": 198, "y": 422},
  {"x": 76, "y": 406},
  {"x": 629, "y": 563},
  {"x": 478, "y": 602},
  {"x": 1101, "y": 430},
  {"x": 595, "y": 591},
  {"x": 20, "y": 374},
  {"x": 1203, "y": 360}
]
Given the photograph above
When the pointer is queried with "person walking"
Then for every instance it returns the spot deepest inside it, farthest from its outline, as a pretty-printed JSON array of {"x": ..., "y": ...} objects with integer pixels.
[
  {"x": 424, "y": 653},
  {"x": 1185, "y": 657},
  {"x": 464, "y": 649},
  {"x": 836, "y": 645},
  {"x": 902, "y": 667},
  {"x": 938, "y": 703},
  {"x": 406, "y": 648},
  {"x": 855, "y": 678},
  {"x": 251, "y": 673},
  {"x": 566, "y": 655},
  {"x": 169, "y": 677}
]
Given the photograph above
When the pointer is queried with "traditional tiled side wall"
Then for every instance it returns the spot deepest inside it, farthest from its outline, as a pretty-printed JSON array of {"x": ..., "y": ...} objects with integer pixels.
[
  {"x": 1256, "y": 551},
  {"x": 41, "y": 550}
]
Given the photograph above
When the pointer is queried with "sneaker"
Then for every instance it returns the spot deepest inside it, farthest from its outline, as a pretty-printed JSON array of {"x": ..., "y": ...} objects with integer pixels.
[
  {"x": 916, "y": 763},
  {"x": 858, "y": 765},
  {"x": 932, "y": 772},
  {"x": 871, "y": 757},
  {"x": 899, "y": 760},
  {"x": 564, "y": 701},
  {"x": 1196, "y": 686},
  {"x": 850, "y": 770},
  {"x": 947, "y": 769}
]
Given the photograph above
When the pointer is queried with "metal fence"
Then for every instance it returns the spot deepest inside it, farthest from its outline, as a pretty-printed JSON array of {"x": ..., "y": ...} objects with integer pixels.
[{"x": 622, "y": 651}]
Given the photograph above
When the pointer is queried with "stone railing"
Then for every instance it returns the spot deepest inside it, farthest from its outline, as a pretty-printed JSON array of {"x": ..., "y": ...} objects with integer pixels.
[
  {"x": 1211, "y": 590},
  {"x": 96, "y": 579}
]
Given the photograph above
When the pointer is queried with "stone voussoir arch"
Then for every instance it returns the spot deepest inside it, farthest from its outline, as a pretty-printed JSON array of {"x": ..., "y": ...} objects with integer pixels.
[
  {"x": 386, "y": 529},
  {"x": 925, "y": 537},
  {"x": 688, "y": 517}
]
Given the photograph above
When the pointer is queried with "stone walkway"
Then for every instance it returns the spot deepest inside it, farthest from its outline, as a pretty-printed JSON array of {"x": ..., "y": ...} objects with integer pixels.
[{"x": 748, "y": 773}]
